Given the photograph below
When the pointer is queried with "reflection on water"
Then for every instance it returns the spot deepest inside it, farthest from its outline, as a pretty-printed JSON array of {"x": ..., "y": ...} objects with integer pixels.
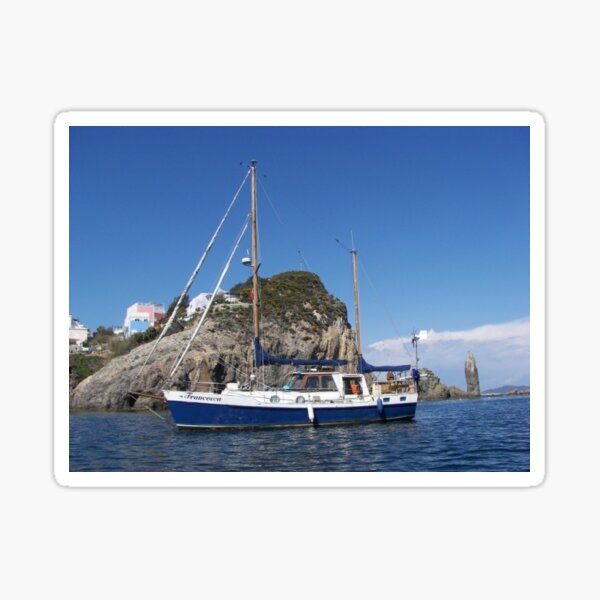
[{"x": 455, "y": 435}]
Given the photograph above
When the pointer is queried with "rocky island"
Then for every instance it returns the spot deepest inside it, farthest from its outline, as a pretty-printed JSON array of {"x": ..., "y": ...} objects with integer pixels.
[{"x": 299, "y": 319}]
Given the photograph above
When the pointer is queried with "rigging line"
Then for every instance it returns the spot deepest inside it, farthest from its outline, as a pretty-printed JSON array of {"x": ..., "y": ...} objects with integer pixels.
[
  {"x": 193, "y": 334},
  {"x": 342, "y": 245},
  {"x": 191, "y": 280},
  {"x": 214, "y": 295},
  {"x": 277, "y": 215},
  {"x": 155, "y": 413},
  {"x": 264, "y": 189},
  {"x": 189, "y": 338},
  {"x": 233, "y": 368},
  {"x": 227, "y": 364},
  {"x": 303, "y": 260},
  {"x": 389, "y": 315},
  {"x": 312, "y": 219}
]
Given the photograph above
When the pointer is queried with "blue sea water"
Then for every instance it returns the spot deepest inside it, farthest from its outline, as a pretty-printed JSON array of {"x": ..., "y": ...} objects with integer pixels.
[{"x": 486, "y": 434}]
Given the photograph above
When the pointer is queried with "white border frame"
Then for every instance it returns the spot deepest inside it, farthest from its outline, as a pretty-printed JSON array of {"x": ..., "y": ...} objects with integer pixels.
[{"x": 300, "y": 118}]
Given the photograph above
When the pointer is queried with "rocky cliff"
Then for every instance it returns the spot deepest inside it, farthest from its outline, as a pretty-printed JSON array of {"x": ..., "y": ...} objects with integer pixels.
[
  {"x": 472, "y": 376},
  {"x": 431, "y": 388},
  {"x": 299, "y": 319}
]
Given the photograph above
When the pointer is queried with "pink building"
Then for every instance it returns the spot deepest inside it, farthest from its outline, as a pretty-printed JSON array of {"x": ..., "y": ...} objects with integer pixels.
[{"x": 142, "y": 315}]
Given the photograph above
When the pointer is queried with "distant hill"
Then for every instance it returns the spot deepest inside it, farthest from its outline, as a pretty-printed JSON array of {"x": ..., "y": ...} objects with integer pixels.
[{"x": 507, "y": 389}]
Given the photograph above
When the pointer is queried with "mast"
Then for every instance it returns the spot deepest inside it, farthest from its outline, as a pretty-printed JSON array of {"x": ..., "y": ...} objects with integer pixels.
[
  {"x": 255, "y": 265},
  {"x": 356, "y": 310},
  {"x": 415, "y": 343}
]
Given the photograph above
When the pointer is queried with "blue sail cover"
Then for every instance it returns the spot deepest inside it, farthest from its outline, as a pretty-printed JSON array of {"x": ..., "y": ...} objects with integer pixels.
[
  {"x": 262, "y": 357},
  {"x": 364, "y": 367}
]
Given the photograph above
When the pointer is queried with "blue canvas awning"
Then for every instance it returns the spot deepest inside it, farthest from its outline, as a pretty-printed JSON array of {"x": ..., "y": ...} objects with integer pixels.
[{"x": 364, "y": 367}]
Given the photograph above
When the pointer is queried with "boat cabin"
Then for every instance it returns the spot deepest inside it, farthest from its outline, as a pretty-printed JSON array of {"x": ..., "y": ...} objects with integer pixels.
[{"x": 323, "y": 381}]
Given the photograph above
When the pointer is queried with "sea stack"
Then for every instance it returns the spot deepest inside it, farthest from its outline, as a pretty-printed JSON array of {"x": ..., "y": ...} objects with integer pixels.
[{"x": 472, "y": 376}]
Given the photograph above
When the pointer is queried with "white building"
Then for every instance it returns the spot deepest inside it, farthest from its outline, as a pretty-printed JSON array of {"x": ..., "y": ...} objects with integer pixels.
[
  {"x": 78, "y": 333},
  {"x": 200, "y": 302}
]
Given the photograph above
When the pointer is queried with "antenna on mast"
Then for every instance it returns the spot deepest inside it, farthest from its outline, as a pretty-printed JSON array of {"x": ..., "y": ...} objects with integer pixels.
[
  {"x": 415, "y": 342},
  {"x": 422, "y": 335}
]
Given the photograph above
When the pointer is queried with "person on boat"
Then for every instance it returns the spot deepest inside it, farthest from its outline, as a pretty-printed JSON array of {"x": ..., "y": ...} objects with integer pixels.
[
  {"x": 350, "y": 386},
  {"x": 416, "y": 377},
  {"x": 390, "y": 376}
]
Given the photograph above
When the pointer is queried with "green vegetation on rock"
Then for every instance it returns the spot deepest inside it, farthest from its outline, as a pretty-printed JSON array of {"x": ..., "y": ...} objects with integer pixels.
[
  {"x": 294, "y": 296},
  {"x": 82, "y": 366},
  {"x": 105, "y": 346}
]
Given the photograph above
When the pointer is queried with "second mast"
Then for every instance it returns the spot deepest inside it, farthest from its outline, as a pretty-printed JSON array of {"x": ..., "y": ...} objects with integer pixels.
[{"x": 255, "y": 264}]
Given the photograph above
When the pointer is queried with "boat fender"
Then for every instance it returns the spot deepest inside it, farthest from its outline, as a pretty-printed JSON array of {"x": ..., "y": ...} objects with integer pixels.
[
  {"x": 275, "y": 398},
  {"x": 380, "y": 406},
  {"x": 311, "y": 413},
  {"x": 300, "y": 400}
]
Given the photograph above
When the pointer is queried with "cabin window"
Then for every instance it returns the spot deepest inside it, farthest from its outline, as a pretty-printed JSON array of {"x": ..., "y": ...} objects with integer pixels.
[
  {"x": 327, "y": 383},
  {"x": 316, "y": 382},
  {"x": 312, "y": 382},
  {"x": 295, "y": 383},
  {"x": 352, "y": 386}
]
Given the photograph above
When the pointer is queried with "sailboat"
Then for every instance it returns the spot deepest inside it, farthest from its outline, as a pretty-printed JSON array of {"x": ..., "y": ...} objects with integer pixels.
[{"x": 318, "y": 391}]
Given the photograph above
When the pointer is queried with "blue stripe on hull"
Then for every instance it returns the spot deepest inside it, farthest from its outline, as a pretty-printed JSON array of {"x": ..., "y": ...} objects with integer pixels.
[{"x": 191, "y": 415}]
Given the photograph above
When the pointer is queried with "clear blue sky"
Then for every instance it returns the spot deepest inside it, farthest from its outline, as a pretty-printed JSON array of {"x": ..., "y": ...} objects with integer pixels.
[{"x": 440, "y": 217}]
